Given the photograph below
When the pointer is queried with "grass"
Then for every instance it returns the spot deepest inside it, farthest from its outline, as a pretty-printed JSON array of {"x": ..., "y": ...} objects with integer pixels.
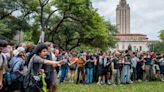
[{"x": 136, "y": 87}]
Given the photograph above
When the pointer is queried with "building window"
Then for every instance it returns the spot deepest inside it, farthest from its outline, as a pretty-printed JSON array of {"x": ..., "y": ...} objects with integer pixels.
[
  {"x": 134, "y": 47},
  {"x": 140, "y": 48},
  {"x": 123, "y": 47}
]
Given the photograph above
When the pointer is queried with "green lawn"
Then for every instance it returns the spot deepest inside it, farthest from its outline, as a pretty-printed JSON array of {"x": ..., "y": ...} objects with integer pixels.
[{"x": 136, "y": 87}]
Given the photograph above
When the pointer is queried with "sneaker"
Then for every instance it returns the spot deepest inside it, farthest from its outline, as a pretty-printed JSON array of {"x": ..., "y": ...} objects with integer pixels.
[
  {"x": 130, "y": 82},
  {"x": 139, "y": 80},
  {"x": 162, "y": 80},
  {"x": 109, "y": 82},
  {"x": 98, "y": 83}
]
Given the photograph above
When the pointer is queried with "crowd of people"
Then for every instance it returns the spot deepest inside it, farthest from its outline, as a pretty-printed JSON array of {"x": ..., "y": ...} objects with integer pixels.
[{"x": 38, "y": 68}]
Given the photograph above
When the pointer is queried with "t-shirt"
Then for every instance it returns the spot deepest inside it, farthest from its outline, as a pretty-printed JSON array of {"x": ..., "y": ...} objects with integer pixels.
[
  {"x": 161, "y": 62},
  {"x": 127, "y": 59},
  {"x": 148, "y": 61},
  {"x": 116, "y": 62},
  {"x": 80, "y": 62},
  {"x": 89, "y": 64},
  {"x": 48, "y": 69},
  {"x": 134, "y": 61},
  {"x": 35, "y": 64},
  {"x": 73, "y": 60}
]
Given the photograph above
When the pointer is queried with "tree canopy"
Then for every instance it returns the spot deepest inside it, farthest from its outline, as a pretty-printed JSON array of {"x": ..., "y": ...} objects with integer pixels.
[{"x": 67, "y": 23}]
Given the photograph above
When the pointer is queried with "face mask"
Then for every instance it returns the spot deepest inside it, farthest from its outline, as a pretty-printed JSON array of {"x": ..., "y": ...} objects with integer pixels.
[{"x": 52, "y": 49}]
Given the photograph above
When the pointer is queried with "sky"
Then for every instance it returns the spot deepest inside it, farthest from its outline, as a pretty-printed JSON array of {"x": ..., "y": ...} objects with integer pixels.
[{"x": 147, "y": 16}]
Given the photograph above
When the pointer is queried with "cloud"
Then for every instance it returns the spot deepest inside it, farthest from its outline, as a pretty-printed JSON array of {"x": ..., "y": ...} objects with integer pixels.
[{"x": 147, "y": 16}]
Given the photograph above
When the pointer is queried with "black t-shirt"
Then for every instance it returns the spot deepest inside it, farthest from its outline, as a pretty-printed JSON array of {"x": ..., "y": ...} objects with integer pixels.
[
  {"x": 116, "y": 63},
  {"x": 89, "y": 64},
  {"x": 48, "y": 69}
]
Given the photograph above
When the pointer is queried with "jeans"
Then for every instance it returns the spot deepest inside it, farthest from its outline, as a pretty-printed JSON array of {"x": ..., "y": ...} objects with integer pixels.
[
  {"x": 134, "y": 77},
  {"x": 63, "y": 74},
  {"x": 146, "y": 74},
  {"x": 116, "y": 76},
  {"x": 89, "y": 76},
  {"x": 80, "y": 70},
  {"x": 125, "y": 76}
]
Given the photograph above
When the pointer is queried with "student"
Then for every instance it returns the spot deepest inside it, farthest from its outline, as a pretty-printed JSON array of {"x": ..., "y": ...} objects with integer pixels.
[
  {"x": 115, "y": 69},
  {"x": 72, "y": 66},
  {"x": 109, "y": 68},
  {"x": 48, "y": 69},
  {"x": 89, "y": 68},
  {"x": 140, "y": 68},
  {"x": 101, "y": 69},
  {"x": 63, "y": 67},
  {"x": 161, "y": 63},
  {"x": 16, "y": 69},
  {"x": 134, "y": 61},
  {"x": 146, "y": 76},
  {"x": 34, "y": 67},
  {"x": 80, "y": 68},
  {"x": 3, "y": 64},
  {"x": 125, "y": 75}
]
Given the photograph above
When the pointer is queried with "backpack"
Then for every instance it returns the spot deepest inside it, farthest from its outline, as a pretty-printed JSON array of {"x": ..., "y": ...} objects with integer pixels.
[
  {"x": 34, "y": 81},
  {"x": 8, "y": 75}
]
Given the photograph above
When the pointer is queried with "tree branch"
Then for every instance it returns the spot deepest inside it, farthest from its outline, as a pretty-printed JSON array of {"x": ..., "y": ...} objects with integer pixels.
[
  {"x": 73, "y": 18},
  {"x": 78, "y": 44},
  {"x": 41, "y": 15},
  {"x": 47, "y": 20},
  {"x": 45, "y": 2},
  {"x": 6, "y": 15},
  {"x": 54, "y": 30}
]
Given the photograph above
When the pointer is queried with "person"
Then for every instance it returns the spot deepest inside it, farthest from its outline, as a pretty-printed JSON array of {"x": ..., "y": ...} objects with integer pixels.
[
  {"x": 161, "y": 63},
  {"x": 140, "y": 68},
  {"x": 34, "y": 68},
  {"x": 89, "y": 68},
  {"x": 49, "y": 69},
  {"x": 16, "y": 69},
  {"x": 102, "y": 72},
  {"x": 80, "y": 67},
  {"x": 109, "y": 68},
  {"x": 125, "y": 76},
  {"x": 155, "y": 68},
  {"x": 72, "y": 65},
  {"x": 115, "y": 69},
  {"x": 134, "y": 61},
  {"x": 3, "y": 64},
  {"x": 146, "y": 74},
  {"x": 64, "y": 67}
]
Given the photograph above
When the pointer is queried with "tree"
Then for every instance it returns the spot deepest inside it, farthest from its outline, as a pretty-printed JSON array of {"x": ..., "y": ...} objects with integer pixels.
[
  {"x": 68, "y": 23},
  {"x": 11, "y": 23},
  {"x": 162, "y": 35},
  {"x": 157, "y": 47},
  {"x": 77, "y": 18},
  {"x": 112, "y": 32},
  {"x": 3, "y": 30}
]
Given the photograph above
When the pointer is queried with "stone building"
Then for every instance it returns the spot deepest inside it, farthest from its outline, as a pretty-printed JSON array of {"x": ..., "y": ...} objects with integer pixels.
[{"x": 125, "y": 38}]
